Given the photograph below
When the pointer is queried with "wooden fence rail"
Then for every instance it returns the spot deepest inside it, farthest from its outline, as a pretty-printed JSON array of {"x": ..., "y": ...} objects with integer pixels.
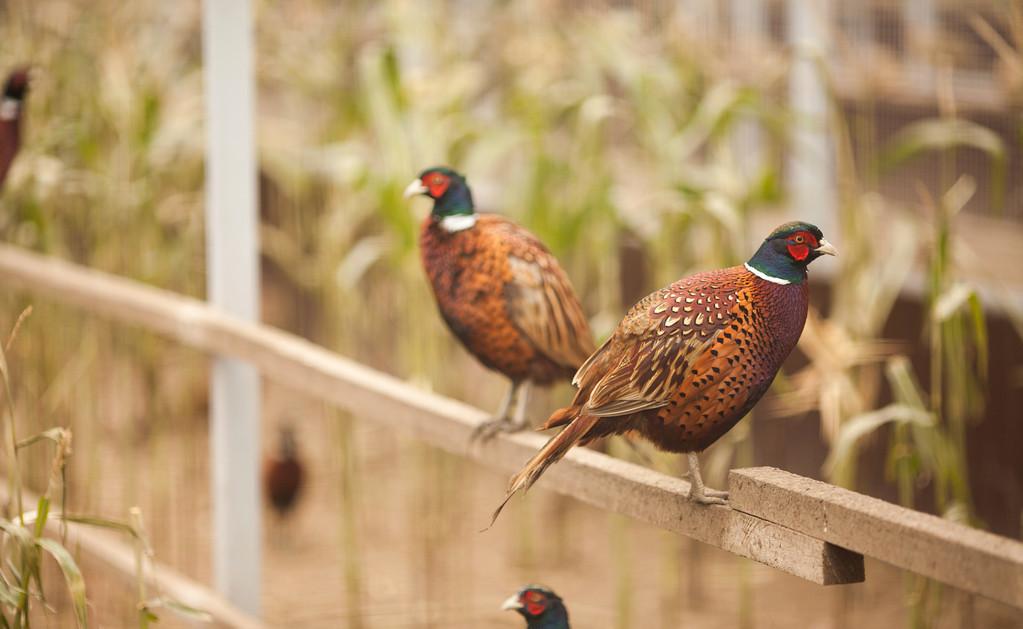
[{"x": 803, "y": 527}]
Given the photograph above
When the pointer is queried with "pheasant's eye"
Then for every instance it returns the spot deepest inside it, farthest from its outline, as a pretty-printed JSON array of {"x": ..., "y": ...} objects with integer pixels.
[
  {"x": 437, "y": 180},
  {"x": 800, "y": 239}
]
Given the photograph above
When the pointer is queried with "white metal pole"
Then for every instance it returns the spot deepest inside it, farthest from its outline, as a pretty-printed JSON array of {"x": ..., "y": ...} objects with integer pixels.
[
  {"x": 921, "y": 20},
  {"x": 232, "y": 263},
  {"x": 749, "y": 25},
  {"x": 811, "y": 165}
]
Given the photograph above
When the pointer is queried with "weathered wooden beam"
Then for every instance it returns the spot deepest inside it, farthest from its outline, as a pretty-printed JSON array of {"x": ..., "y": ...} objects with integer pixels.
[
  {"x": 589, "y": 476},
  {"x": 967, "y": 558}
]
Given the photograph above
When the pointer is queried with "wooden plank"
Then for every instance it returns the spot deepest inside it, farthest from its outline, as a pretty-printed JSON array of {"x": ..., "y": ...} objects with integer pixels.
[
  {"x": 117, "y": 555},
  {"x": 594, "y": 478},
  {"x": 967, "y": 558}
]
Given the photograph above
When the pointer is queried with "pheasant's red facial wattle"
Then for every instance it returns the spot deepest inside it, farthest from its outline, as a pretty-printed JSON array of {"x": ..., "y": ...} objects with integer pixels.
[
  {"x": 800, "y": 244},
  {"x": 437, "y": 184},
  {"x": 799, "y": 252},
  {"x": 534, "y": 602}
]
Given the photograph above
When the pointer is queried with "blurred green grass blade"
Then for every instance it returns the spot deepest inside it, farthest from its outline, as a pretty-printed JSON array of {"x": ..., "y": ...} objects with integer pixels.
[
  {"x": 16, "y": 531},
  {"x": 185, "y": 611},
  {"x": 53, "y": 434},
  {"x": 8, "y": 595},
  {"x": 146, "y": 616},
  {"x": 949, "y": 302},
  {"x": 858, "y": 427},
  {"x": 942, "y": 134},
  {"x": 72, "y": 575},
  {"x": 42, "y": 512},
  {"x": 980, "y": 335},
  {"x": 904, "y": 385},
  {"x": 107, "y": 523}
]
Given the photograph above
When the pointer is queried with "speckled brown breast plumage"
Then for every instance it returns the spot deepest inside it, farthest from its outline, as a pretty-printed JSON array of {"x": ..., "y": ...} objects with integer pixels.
[
  {"x": 506, "y": 298},
  {"x": 690, "y": 360}
]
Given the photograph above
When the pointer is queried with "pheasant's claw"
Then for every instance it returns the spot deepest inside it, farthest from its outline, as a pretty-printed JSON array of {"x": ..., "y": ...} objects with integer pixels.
[
  {"x": 487, "y": 430},
  {"x": 705, "y": 496},
  {"x": 705, "y": 499}
]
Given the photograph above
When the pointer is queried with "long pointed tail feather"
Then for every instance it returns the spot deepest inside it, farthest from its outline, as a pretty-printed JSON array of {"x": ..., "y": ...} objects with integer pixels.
[
  {"x": 551, "y": 453},
  {"x": 560, "y": 417}
]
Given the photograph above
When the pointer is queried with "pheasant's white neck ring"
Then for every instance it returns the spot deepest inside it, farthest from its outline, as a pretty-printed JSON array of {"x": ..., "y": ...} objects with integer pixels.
[
  {"x": 457, "y": 222},
  {"x": 765, "y": 276},
  {"x": 9, "y": 109}
]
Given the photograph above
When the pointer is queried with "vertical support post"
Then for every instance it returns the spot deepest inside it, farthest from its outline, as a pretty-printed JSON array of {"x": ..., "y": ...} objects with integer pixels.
[
  {"x": 232, "y": 263},
  {"x": 703, "y": 17},
  {"x": 921, "y": 20},
  {"x": 749, "y": 26},
  {"x": 811, "y": 164}
]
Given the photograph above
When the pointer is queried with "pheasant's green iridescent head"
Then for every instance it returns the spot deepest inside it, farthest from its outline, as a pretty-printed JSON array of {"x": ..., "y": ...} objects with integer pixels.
[
  {"x": 786, "y": 252},
  {"x": 448, "y": 189}
]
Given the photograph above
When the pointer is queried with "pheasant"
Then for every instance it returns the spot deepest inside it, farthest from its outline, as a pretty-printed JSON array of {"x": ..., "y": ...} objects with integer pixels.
[
  {"x": 690, "y": 360},
  {"x": 502, "y": 294},
  {"x": 15, "y": 90},
  {"x": 283, "y": 474},
  {"x": 542, "y": 608}
]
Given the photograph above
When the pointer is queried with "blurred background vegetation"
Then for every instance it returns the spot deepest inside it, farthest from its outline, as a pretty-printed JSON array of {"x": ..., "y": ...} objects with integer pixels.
[{"x": 641, "y": 141}]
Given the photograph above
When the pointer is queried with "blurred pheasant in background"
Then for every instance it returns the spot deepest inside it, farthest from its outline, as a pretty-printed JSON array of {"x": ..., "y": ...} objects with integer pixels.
[
  {"x": 15, "y": 90},
  {"x": 542, "y": 608},
  {"x": 501, "y": 292},
  {"x": 283, "y": 473},
  {"x": 690, "y": 360}
]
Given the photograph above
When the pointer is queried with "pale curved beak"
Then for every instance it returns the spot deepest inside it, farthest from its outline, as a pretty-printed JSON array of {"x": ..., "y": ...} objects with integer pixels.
[
  {"x": 414, "y": 188},
  {"x": 512, "y": 603},
  {"x": 826, "y": 248}
]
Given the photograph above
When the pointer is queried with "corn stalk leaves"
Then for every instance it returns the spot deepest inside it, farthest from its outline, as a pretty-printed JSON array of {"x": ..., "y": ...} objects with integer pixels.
[
  {"x": 853, "y": 430},
  {"x": 72, "y": 575},
  {"x": 56, "y": 435},
  {"x": 185, "y": 611},
  {"x": 949, "y": 302},
  {"x": 942, "y": 134},
  {"x": 8, "y": 594},
  {"x": 106, "y": 523}
]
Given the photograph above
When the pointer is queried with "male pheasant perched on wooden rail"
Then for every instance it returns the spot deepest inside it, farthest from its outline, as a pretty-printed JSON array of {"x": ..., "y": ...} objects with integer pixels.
[
  {"x": 501, "y": 292},
  {"x": 541, "y": 607},
  {"x": 15, "y": 90},
  {"x": 690, "y": 360}
]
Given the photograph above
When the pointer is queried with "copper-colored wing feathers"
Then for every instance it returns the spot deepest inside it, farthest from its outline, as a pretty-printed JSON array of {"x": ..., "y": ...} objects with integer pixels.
[
  {"x": 650, "y": 354},
  {"x": 506, "y": 298},
  {"x": 541, "y": 302}
]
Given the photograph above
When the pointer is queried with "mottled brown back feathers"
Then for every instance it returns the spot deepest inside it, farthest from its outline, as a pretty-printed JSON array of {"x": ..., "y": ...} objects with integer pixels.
[{"x": 505, "y": 296}]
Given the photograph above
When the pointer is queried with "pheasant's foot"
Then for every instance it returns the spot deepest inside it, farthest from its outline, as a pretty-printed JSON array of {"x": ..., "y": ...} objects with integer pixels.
[
  {"x": 698, "y": 492},
  {"x": 707, "y": 499},
  {"x": 489, "y": 429}
]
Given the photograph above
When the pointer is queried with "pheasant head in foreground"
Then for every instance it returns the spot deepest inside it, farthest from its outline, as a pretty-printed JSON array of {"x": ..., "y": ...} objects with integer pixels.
[
  {"x": 501, "y": 292},
  {"x": 15, "y": 90},
  {"x": 690, "y": 360},
  {"x": 542, "y": 608}
]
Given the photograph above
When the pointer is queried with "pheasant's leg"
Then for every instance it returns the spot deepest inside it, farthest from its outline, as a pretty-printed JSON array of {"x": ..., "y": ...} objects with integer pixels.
[
  {"x": 519, "y": 421},
  {"x": 499, "y": 422},
  {"x": 698, "y": 492}
]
